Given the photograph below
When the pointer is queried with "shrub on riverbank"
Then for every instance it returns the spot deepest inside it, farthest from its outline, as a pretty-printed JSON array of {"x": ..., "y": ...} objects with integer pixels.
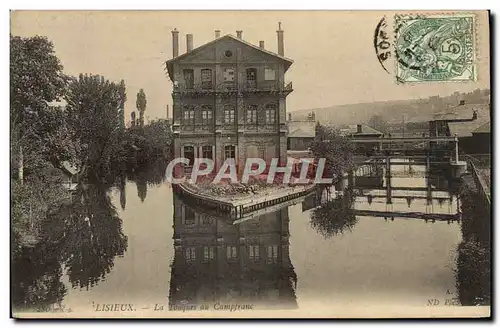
[{"x": 473, "y": 263}]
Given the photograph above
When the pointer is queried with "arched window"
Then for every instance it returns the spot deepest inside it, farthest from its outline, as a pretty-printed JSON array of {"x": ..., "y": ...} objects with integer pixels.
[
  {"x": 189, "y": 154},
  {"x": 206, "y": 78},
  {"x": 188, "y": 117},
  {"x": 188, "y": 78},
  {"x": 228, "y": 114},
  {"x": 270, "y": 113},
  {"x": 206, "y": 152},
  {"x": 252, "y": 114},
  {"x": 229, "y": 152},
  {"x": 206, "y": 114}
]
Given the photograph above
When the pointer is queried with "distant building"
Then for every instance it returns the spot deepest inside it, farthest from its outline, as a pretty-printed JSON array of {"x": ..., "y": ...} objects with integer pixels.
[
  {"x": 244, "y": 263},
  {"x": 362, "y": 131},
  {"x": 481, "y": 140},
  {"x": 462, "y": 121},
  {"x": 301, "y": 133},
  {"x": 229, "y": 100},
  {"x": 70, "y": 172}
]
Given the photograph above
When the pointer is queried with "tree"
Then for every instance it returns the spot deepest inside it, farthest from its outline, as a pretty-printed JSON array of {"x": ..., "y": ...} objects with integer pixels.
[
  {"x": 36, "y": 79},
  {"x": 123, "y": 95},
  {"x": 140, "y": 104},
  {"x": 94, "y": 116},
  {"x": 132, "y": 119}
]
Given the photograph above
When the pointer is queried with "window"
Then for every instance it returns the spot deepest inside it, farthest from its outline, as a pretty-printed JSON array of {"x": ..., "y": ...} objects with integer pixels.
[
  {"x": 252, "y": 114},
  {"x": 189, "y": 216},
  {"x": 231, "y": 252},
  {"x": 188, "y": 78},
  {"x": 207, "y": 220},
  {"x": 208, "y": 253},
  {"x": 206, "y": 78},
  {"x": 270, "y": 114},
  {"x": 229, "y": 75},
  {"x": 253, "y": 252},
  {"x": 206, "y": 152},
  {"x": 228, "y": 53},
  {"x": 206, "y": 114},
  {"x": 189, "y": 154},
  {"x": 229, "y": 114},
  {"x": 229, "y": 151},
  {"x": 188, "y": 117},
  {"x": 251, "y": 77},
  {"x": 190, "y": 253},
  {"x": 269, "y": 74},
  {"x": 272, "y": 253}
]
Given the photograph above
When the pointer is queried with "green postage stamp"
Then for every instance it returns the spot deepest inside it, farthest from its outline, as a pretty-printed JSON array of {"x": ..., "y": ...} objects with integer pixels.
[{"x": 435, "y": 48}]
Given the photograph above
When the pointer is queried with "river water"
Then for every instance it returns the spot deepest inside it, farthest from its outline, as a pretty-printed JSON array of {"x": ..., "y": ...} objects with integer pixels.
[{"x": 139, "y": 243}]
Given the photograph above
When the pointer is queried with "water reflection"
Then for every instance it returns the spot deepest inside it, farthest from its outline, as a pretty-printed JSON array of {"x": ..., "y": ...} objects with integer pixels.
[
  {"x": 335, "y": 215},
  {"x": 82, "y": 238},
  {"x": 152, "y": 174},
  {"x": 217, "y": 262},
  {"x": 36, "y": 280}
]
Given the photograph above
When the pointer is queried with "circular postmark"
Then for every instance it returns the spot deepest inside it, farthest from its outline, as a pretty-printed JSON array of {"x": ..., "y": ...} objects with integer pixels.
[
  {"x": 382, "y": 43},
  {"x": 434, "y": 49}
]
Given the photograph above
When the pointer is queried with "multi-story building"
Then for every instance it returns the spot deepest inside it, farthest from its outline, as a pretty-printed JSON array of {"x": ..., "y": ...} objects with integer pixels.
[{"x": 229, "y": 99}]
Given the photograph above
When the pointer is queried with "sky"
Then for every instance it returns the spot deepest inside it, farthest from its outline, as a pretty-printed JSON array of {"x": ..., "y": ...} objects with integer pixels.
[{"x": 333, "y": 53}]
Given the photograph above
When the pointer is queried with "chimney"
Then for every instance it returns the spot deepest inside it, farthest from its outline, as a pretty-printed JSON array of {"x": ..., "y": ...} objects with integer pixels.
[
  {"x": 289, "y": 116},
  {"x": 360, "y": 128},
  {"x": 175, "y": 43},
  {"x": 168, "y": 114},
  {"x": 189, "y": 42},
  {"x": 261, "y": 44},
  {"x": 217, "y": 34},
  {"x": 281, "y": 45},
  {"x": 239, "y": 34}
]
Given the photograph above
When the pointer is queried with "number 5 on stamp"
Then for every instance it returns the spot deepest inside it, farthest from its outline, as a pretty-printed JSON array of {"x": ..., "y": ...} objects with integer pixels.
[{"x": 435, "y": 48}]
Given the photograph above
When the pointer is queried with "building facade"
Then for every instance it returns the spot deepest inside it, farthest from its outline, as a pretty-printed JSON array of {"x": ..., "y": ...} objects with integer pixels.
[
  {"x": 301, "y": 133},
  {"x": 229, "y": 100}
]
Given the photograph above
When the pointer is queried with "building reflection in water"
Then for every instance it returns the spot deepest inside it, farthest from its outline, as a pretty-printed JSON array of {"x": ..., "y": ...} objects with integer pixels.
[{"x": 218, "y": 262}]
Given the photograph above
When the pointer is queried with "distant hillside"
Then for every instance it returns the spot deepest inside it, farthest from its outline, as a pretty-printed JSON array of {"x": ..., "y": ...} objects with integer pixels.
[{"x": 414, "y": 110}]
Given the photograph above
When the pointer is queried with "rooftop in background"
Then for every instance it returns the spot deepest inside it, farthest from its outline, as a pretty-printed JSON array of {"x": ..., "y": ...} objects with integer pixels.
[
  {"x": 464, "y": 111},
  {"x": 485, "y": 128},
  {"x": 464, "y": 129},
  {"x": 360, "y": 130}
]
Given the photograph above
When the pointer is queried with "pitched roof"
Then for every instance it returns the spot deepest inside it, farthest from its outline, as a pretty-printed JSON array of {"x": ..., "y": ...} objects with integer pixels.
[
  {"x": 69, "y": 168},
  {"x": 365, "y": 130},
  {"x": 227, "y": 36},
  {"x": 485, "y": 128},
  {"x": 301, "y": 129},
  {"x": 465, "y": 129}
]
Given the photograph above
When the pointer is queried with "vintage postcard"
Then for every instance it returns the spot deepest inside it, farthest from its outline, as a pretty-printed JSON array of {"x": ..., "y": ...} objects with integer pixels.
[{"x": 250, "y": 164}]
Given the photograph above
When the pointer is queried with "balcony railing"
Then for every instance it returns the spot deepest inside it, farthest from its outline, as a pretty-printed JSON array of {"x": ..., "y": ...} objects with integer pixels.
[{"x": 244, "y": 87}]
